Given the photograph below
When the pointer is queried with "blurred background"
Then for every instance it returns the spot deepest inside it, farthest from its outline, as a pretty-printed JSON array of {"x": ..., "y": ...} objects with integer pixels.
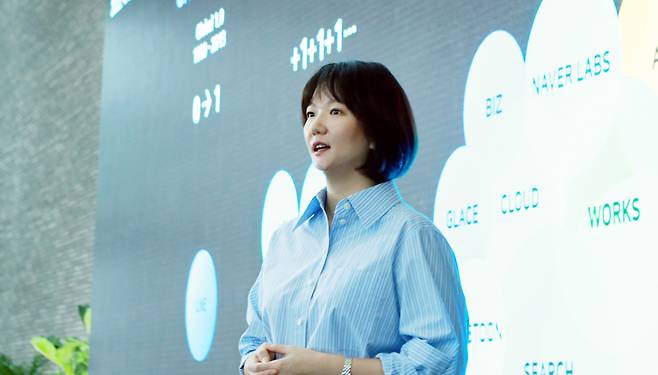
[{"x": 51, "y": 56}]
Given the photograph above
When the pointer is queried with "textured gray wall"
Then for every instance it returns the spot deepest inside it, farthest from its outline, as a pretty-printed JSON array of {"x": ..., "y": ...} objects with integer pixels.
[{"x": 50, "y": 86}]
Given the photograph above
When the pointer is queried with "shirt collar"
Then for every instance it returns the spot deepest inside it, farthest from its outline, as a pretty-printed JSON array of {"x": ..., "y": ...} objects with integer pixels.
[
  {"x": 370, "y": 204},
  {"x": 316, "y": 204}
]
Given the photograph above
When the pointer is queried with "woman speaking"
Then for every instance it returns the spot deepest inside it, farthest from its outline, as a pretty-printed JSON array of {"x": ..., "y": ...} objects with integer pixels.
[{"x": 360, "y": 283}]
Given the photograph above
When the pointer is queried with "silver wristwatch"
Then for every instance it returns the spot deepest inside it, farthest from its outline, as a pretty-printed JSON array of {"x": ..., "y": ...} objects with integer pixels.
[{"x": 347, "y": 367}]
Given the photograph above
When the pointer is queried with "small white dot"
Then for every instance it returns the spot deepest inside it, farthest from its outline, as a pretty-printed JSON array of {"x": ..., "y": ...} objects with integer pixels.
[
  {"x": 346, "y": 206},
  {"x": 300, "y": 321},
  {"x": 342, "y": 221}
]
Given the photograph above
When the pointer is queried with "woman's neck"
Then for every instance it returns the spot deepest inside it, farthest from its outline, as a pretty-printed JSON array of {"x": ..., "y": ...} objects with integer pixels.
[{"x": 339, "y": 187}]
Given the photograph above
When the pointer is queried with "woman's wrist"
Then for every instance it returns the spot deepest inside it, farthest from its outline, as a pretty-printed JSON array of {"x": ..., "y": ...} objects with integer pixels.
[{"x": 331, "y": 364}]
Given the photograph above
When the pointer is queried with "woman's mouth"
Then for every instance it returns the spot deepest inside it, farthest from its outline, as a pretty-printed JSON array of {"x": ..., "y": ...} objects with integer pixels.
[{"x": 319, "y": 148}]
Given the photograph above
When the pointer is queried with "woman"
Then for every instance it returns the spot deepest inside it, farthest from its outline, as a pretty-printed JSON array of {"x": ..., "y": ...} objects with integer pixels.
[{"x": 360, "y": 283}]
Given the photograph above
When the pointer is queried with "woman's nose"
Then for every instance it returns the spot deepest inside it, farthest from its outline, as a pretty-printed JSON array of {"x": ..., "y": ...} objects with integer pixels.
[{"x": 317, "y": 127}]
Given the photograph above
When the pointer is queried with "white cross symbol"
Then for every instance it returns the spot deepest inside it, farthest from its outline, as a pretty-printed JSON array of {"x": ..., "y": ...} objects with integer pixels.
[
  {"x": 320, "y": 39},
  {"x": 329, "y": 41},
  {"x": 294, "y": 60},
  {"x": 312, "y": 50}
]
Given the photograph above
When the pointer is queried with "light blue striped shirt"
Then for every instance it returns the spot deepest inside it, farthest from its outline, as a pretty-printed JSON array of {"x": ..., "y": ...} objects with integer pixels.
[{"x": 381, "y": 282}]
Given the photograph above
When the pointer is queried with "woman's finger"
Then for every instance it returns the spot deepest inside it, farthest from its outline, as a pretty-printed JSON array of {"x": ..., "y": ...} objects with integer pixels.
[
  {"x": 266, "y": 372},
  {"x": 271, "y": 371},
  {"x": 251, "y": 363},
  {"x": 262, "y": 355},
  {"x": 277, "y": 348},
  {"x": 260, "y": 368}
]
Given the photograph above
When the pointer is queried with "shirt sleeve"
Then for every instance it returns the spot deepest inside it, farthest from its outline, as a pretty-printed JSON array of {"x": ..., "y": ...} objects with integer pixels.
[
  {"x": 433, "y": 317},
  {"x": 256, "y": 332}
]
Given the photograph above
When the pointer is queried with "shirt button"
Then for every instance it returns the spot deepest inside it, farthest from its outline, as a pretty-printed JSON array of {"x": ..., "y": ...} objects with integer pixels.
[
  {"x": 300, "y": 321},
  {"x": 346, "y": 206},
  {"x": 342, "y": 221}
]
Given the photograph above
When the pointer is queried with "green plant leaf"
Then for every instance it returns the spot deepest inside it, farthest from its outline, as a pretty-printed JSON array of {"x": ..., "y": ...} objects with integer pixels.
[
  {"x": 46, "y": 348},
  {"x": 5, "y": 370},
  {"x": 82, "y": 369},
  {"x": 64, "y": 355},
  {"x": 73, "y": 340},
  {"x": 37, "y": 363},
  {"x": 85, "y": 315},
  {"x": 6, "y": 365},
  {"x": 5, "y": 360},
  {"x": 70, "y": 354},
  {"x": 55, "y": 341}
]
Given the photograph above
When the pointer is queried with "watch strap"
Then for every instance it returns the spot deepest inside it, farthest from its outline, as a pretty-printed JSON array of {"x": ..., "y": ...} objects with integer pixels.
[{"x": 347, "y": 367}]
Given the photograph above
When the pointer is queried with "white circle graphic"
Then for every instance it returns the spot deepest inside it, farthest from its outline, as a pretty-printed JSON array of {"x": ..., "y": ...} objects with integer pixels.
[
  {"x": 280, "y": 205},
  {"x": 201, "y": 305},
  {"x": 314, "y": 181}
]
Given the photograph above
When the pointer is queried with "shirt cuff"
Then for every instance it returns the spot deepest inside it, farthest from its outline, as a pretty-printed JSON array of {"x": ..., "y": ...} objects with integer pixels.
[
  {"x": 416, "y": 356},
  {"x": 243, "y": 360},
  {"x": 392, "y": 364}
]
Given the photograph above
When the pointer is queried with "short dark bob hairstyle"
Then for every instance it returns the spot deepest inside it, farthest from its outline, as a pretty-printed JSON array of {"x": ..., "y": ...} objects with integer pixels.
[{"x": 381, "y": 108}]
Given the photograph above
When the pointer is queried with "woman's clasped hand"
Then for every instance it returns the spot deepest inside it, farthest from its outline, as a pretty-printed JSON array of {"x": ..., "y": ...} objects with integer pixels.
[{"x": 292, "y": 360}]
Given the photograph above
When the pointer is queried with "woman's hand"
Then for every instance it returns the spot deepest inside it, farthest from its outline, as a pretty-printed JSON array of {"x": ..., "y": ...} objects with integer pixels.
[
  {"x": 259, "y": 356},
  {"x": 298, "y": 361}
]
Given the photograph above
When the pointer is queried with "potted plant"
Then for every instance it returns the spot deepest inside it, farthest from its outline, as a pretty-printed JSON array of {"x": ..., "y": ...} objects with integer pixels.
[
  {"x": 70, "y": 354},
  {"x": 8, "y": 367}
]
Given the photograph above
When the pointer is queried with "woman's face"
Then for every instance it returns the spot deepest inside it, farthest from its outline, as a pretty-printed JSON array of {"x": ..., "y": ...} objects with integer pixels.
[{"x": 335, "y": 140}]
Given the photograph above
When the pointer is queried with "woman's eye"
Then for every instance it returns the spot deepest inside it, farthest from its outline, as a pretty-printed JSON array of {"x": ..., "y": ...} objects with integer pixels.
[
  {"x": 335, "y": 111},
  {"x": 310, "y": 114}
]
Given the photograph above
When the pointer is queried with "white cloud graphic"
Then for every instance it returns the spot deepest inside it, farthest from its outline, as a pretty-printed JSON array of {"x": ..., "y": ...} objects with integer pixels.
[
  {"x": 548, "y": 138},
  {"x": 280, "y": 206},
  {"x": 494, "y": 116},
  {"x": 281, "y": 203},
  {"x": 314, "y": 181}
]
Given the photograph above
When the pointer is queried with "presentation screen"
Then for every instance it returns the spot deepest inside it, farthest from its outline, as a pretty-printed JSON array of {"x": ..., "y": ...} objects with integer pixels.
[{"x": 536, "y": 122}]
